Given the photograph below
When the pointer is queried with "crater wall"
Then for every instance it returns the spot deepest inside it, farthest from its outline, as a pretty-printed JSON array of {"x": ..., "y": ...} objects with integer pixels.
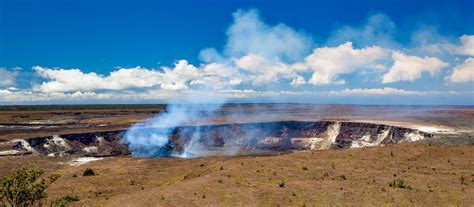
[{"x": 238, "y": 139}]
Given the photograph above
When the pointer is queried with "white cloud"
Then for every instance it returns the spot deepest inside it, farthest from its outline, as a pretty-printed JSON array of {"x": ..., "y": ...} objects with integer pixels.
[
  {"x": 465, "y": 47},
  {"x": 218, "y": 76},
  {"x": 378, "y": 91},
  {"x": 7, "y": 77},
  {"x": 298, "y": 81},
  {"x": 263, "y": 71},
  {"x": 463, "y": 72},
  {"x": 179, "y": 77},
  {"x": 25, "y": 96},
  {"x": 127, "y": 96},
  {"x": 249, "y": 93},
  {"x": 410, "y": 68},
  {"x": 63, "y": 80},
  {"x": 330, "y": 62},
  {"x": 326, "y": 65}
]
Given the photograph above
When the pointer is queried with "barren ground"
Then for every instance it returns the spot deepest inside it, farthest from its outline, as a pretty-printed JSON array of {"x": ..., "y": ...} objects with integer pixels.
[{"x": 341, "y": 177}]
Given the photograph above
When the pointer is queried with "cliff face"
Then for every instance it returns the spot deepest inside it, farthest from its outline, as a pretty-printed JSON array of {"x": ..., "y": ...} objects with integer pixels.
[
  {"x": 239, "y": 138},
  {"x": 96, "y": 144}
]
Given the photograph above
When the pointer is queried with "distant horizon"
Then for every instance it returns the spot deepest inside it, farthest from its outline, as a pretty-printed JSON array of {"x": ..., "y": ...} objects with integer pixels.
[{"x": 230, "y": 103}]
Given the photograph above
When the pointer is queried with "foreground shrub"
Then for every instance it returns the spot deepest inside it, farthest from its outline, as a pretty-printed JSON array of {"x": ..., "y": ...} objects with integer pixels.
[
  {"x": 398, "y": 183},
  {"x": 63, "y": 201},
  {"x": 88, "y": 172},
  {"x": 281, "y": 184},
  {"x": 24, "y": 187},
  {"x": 342, "y": 177}
]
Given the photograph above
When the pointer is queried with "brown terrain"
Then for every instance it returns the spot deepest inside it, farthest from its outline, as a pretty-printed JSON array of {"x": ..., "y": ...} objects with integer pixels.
[{"x": 436, "y": 171}]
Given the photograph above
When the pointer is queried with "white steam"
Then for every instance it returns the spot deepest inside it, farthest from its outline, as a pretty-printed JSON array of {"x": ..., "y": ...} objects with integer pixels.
[{"x": 151, "y": 138}]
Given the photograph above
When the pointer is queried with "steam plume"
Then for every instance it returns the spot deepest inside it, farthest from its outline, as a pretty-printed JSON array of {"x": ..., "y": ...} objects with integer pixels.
[{"x": 151, "y": 138}]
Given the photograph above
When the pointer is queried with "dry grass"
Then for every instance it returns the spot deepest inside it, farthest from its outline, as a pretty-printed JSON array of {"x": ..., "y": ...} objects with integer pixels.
[{"x": 333, "y": 177}]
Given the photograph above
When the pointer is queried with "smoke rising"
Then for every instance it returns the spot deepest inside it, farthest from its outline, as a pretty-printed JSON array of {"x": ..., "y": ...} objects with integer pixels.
[{"x": 151, "y": 138}]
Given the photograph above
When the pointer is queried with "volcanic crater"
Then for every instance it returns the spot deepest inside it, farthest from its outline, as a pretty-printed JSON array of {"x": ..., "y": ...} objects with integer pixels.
[{"x": 262, "y": 138}]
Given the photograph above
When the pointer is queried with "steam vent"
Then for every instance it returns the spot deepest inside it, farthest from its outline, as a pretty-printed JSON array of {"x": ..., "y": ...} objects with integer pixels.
[{"x": 226, "y": 139}]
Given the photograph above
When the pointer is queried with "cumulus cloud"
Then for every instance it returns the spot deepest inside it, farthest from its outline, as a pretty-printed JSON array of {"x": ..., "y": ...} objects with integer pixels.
[
  {"x": 464, "y": 47},
  {"x": 25, "y": 96},
  {"x": 463, "y": 72},
  {"x": 299, "y": 80},
  {"x": 218, "y": 76},
  {"x": 179, "y": 77},
  {"x": 127, "y": 96},
  {"x": 262, "y": 70},
  {"x": 410, "y": 68},
  {"x": 63, "y": 80},
  {"x": 329, "y": 62},
  {"x": 248, "y": 34},
  {"x": 7, "y": 77},
  {"x": 325, "y": 65},
  {"x": 379, "y": 91},
  {"x": 467, "y": 45}
]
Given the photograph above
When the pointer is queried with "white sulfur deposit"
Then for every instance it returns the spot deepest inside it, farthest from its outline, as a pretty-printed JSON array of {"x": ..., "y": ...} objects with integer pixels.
[
  {"x": 84, "y": 160},
  {"x": 58, "y": 142},
  {"x": 25, "y": 145},
  {"x": 412, "y": 136},
  {"x": 92, "y": 149},
  {"x": 366, "y": 140}
]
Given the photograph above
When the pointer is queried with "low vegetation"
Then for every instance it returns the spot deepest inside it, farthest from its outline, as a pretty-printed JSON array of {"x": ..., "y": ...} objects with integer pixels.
[
  {"x": 342, "y": 177},
  {"x": 25, "y": 187},
  {"x": 399, "y": 183},
  {"x": 63, "y": 201},
  {"x": 281, "y": 184},
  {"x": 463, "y": 180},
  {"x": 88, "y": 172}
]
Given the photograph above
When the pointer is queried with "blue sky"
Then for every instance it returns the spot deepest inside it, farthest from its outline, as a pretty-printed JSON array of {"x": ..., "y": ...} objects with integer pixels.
[{"x": 261, "y": 47}]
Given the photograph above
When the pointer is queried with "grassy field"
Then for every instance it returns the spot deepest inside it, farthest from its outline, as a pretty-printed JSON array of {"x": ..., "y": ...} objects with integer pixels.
[{"x": 434, "y": 175}]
